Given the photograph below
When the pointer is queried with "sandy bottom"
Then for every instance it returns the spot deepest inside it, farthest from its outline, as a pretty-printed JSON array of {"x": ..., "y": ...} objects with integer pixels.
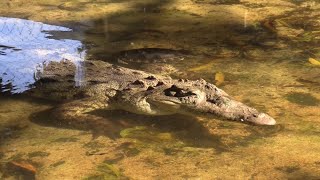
[{"x": 259, "y": 49}]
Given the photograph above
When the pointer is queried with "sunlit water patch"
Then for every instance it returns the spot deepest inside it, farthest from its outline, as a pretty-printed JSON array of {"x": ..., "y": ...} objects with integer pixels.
[{"x": 25, "y": 46}]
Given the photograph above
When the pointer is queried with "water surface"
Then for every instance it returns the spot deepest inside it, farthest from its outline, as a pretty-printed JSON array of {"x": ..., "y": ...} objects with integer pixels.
[{"x": 258, "y": 52}]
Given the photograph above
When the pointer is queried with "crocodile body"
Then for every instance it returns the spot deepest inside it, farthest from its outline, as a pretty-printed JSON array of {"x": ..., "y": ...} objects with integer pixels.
[{"x": 111, "y": 87}]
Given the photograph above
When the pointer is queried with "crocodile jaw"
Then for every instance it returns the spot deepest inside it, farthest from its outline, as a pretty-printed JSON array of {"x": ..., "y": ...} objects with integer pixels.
[{"x": 234, "y": 111}]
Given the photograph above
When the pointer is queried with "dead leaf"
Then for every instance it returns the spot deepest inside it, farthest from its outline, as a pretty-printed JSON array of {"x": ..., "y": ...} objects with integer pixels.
[
  {"x": 219, "y": 78},
  {"x": 314, "y": 62},
  {"x": 24, "y": 166}
]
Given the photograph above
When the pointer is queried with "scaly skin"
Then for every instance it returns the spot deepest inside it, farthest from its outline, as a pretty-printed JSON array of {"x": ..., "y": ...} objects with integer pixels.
[{"x": 110, "y": 87}]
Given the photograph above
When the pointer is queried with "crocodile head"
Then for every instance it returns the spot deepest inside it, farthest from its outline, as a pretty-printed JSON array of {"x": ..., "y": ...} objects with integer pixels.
[{"x": 202, "y": 98}]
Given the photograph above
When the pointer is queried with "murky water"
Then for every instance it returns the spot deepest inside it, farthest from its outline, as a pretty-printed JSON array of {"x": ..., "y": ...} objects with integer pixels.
[{"x": 265, "y": 54}]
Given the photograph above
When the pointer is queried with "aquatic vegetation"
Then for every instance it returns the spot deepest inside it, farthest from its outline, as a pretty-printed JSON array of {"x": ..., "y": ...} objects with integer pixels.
[
  {"x": 132, "y": 132},
  {"x": 307, "y": 37},
  {"x": 105, "y": 172},
  {"x": 109, "y": 168},
  {"x": 145, "y": 135}
]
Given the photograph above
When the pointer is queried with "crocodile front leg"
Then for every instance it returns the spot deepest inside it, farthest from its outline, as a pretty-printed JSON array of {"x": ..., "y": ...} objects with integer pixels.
[{"x": 77, "y": 114}]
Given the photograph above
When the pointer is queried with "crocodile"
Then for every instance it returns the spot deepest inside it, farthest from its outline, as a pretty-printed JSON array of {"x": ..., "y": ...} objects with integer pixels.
[{"x": 113, "y": 87}]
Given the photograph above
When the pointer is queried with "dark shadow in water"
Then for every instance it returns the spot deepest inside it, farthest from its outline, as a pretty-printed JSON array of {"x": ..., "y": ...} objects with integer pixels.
[
  {"x": 184, "y": 128},
  {"x": 145, "y": 21},
  {"x": 16, "y": 170},
  {"x": 12, "y": 131},
  {"x": 296, "y": 172}
]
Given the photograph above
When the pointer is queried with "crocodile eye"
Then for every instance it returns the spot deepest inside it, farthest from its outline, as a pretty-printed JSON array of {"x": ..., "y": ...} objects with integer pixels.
[{"x": 177, "y": 92}]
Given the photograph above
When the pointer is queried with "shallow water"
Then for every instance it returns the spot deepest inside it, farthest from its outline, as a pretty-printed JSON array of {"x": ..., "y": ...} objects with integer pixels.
[{"x": 258, "y": 52}]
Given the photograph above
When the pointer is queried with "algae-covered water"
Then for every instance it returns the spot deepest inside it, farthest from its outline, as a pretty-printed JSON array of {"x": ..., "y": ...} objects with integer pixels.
[{"x": 263, "y": 53}]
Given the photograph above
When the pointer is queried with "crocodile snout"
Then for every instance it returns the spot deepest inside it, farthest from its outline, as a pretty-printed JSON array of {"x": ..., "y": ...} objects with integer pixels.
[{"x": 263, "y": 119}]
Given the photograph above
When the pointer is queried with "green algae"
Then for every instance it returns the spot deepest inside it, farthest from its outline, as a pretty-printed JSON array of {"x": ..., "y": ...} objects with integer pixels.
[
  {"x": 143, "y": 133},
  {"x": 305, "y": 99},
  {"x": 110, "y": 168},
  {"x": 106, "y": 171},
  {"x": 133, "y": 132}
]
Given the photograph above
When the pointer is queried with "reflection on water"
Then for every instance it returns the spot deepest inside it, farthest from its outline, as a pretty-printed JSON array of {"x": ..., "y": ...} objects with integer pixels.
[{"x": 26, "y": 46}]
